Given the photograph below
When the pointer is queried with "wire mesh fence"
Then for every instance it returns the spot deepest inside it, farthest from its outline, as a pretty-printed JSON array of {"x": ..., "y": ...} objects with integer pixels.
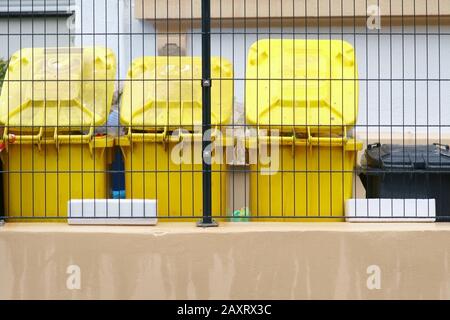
[{"x": 122, "y": 111}]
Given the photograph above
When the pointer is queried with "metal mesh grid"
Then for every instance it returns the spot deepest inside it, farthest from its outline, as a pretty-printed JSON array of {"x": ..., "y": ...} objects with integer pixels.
[{"x": 131, "y": 128}]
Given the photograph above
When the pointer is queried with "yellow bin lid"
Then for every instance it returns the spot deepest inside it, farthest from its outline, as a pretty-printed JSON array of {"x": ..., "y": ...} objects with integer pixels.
[
  {"x": 58, "y": 87},
  {"x": 301, "y": 84},
  {"x": 162, "y": 92}
]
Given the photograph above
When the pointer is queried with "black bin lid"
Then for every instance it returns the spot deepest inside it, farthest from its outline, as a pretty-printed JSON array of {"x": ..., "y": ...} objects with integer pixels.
[{"x": 391, "y": 156}]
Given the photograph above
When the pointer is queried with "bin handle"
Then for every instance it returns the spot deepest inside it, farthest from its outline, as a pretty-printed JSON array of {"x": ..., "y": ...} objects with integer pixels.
[
  {"x": 67, "y": 138},
  {"x": 309, "y": 141},
  {"x": 184, "y": 136},
  {"x": 442, "y": 146},
  {"x": 164, "y": 136},
  {"x": 146, "y": 136},
  {"x": 331, "y": 140},
  {"x": 24, "y": 138},
  {"x": 373, "y": 145},
  {"x": 83, "y": 138}
]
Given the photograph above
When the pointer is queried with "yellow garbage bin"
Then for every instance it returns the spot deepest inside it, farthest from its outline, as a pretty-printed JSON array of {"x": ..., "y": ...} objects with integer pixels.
[
  {"x": 162, "y": 109},
  {"x": 302, "y": 98},
  {"x": 51, "y": 101}
]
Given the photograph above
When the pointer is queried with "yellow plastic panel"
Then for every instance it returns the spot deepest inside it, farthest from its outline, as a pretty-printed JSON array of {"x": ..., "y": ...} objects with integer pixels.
[
  {"x": 152, "y": 173},
  {"x": 296, "y": 84},
  {"x": 40, "y": 178},
  {"x": 308, "y": 182},
  {"x": 165, "y": 92},
  {"x": 58, "y": 87}
]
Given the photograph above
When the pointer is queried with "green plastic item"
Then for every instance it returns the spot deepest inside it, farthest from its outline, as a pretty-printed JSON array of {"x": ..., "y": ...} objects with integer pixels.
[{"x": 241, "y": 215}]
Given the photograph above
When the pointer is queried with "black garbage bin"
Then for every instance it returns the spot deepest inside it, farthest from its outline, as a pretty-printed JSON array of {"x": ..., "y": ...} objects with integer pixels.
[{"x": 408, "y": 172}]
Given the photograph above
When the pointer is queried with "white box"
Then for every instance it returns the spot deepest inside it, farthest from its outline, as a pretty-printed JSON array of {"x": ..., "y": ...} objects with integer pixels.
[
  {"x": 112, "y": 212},
  {"x": 390, "y": 210}
]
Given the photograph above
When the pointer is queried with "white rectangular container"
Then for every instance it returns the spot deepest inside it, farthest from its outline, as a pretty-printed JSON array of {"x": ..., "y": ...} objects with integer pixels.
[
  {"x": 112, "y": 212},
  {"x": 390, "y": 210}
]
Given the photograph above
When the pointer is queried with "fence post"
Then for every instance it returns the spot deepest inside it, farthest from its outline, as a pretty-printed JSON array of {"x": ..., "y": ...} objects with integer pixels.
[{"x": 207, "y": 220}]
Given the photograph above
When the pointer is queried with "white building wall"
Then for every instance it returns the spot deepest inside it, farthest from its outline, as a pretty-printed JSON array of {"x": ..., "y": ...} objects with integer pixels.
[
  {"x": 24, "y": 32},
  {"x": 388, "y": 65},
  {"x": 111, "y": 23}
]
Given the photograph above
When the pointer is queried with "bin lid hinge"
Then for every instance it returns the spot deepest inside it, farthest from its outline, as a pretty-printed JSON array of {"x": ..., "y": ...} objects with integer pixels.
[{"x": 342, "y": 140}]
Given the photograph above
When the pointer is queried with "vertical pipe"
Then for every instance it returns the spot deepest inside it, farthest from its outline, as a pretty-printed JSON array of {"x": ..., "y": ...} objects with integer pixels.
[{"x": 207, "y": 220}]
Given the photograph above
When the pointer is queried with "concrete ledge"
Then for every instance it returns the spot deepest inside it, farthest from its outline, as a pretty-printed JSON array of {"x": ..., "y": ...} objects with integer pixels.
[
  {"x": 191, "y": 9},
  {"x": 235, "y": 261}
]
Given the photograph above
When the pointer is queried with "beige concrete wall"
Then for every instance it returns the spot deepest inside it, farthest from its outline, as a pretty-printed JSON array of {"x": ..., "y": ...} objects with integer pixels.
[
  {"x": 234, "y": 261},
  {"x": 191, "y": 9}
]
